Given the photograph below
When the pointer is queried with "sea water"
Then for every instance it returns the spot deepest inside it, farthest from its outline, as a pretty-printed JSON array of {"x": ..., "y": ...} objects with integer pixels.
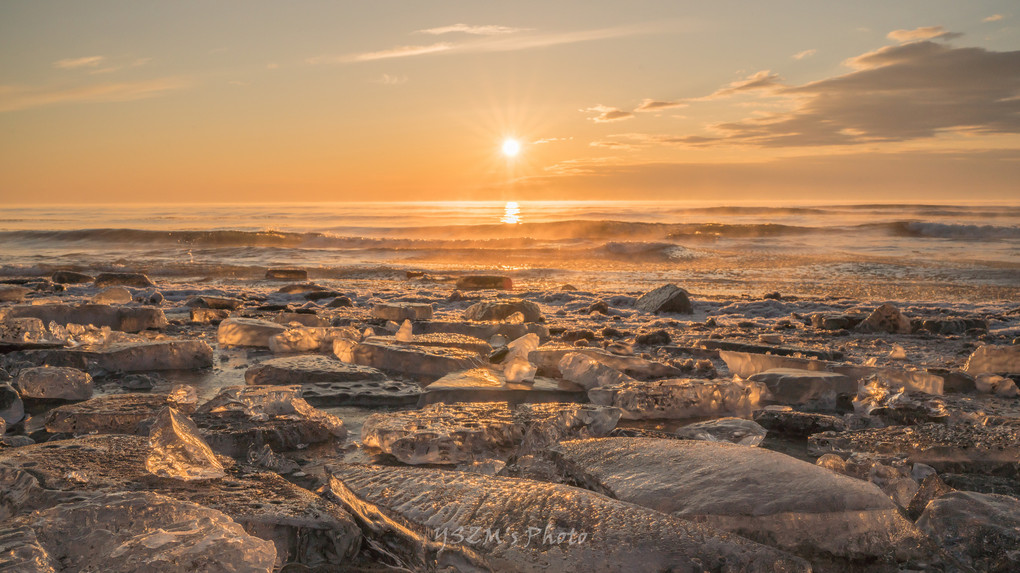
[{"x": 938, "y": 252}]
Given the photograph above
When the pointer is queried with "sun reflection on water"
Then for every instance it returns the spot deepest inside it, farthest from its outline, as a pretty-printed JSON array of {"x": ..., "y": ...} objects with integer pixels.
[{"x": 511, "y": 213}]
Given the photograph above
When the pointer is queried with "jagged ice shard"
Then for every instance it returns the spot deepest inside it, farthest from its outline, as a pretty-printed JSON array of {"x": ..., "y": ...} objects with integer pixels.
[{"x": 178, "y": 450}]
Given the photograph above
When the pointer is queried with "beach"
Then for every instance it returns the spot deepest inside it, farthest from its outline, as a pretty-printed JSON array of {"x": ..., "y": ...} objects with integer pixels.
[{"x": 546, "y": 386}]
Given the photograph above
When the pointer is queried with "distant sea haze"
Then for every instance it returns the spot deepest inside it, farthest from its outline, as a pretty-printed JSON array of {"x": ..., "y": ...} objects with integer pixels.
[{"x": 722, "y": 248}]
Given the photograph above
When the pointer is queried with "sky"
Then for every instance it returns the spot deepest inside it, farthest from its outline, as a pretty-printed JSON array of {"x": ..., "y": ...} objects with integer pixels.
[{"x": 260, "y": 101}]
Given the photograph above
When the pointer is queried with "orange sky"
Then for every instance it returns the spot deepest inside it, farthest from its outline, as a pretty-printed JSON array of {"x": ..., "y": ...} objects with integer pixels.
[{"x": 260, "y": 101}]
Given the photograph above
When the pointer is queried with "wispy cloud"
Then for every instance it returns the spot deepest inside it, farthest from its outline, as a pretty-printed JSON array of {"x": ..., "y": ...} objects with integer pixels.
[
  {"x": 74, "y": 63},
  {"x": 390, "y": 80},
  {"x": 763, "y": 80},
  {"x": 925, "y": 33},
  {"x": 804, "y": 54},
  {"x": 490, "y": 43},
  {"x": 993, "y": 18},
  {"x": 14, "y": 98},
  {"x": 606, "y": 114},
  {"x": 489, "y": 30},
  {"x": 656, "y": 105}
]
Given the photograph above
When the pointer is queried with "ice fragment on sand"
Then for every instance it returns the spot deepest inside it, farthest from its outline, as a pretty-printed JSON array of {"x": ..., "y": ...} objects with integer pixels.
[
  {"x": 137, "y": 280},
  {"x": 310, "y": 339},
  {"x": 307, "y": 370},
  {"x": 502, "y": 309},
  {"x": 754, "y": 492},
  {"x": 995, "y": 384},
  {"x": 247, "y": 332},
  {"x": 489, "y": 385},
  {"x": 144, "y": 531},
  {"x": 541, "y": 526},
  {"x": 112, "y": 295},
  {"x": 589, "y": 373},
  {"x": 402, "y": 311},
  {"x": 55, "y": 383},
  {"x": 479, "y": 282},
  {"x": 413, "y": 360},
  {"x": 981, "y": 530},
  {"x": 129, "y": 357},
  {"x": 178, "y": 450},
  {"x": 793, "y": 386},
  {"x": 13, "y": 293},
  {"x": 123, "y": 318},
  {"x": 516, "y": 366},
  {"x": 548, "y": 358},
  {"x": 733, "y": 430},
  {"x": 994, "y": 360},
  {"x": 404, "y": 332},
  {"x": 679, "y": 398},
  {"x": 886, "y": 318},
  {"x": 897, "y": 353}
]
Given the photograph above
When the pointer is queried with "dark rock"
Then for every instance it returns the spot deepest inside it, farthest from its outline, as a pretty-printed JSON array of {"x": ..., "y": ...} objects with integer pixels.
[
  {"x": 71, "y": 277},
  {"x": 321, "y": 294},
  {"x": 824, "y": 321},
  {"x": 341, "y": 302},
  {"x": 215, "y": 302},
  {"x": 667, "y": 298},
  {"x": 610, "y": 332},
  {"x": 946, "y": 326},
  {"x": 13, "y": 293},
  {"x": 479, "y": 282},
  {"x": 137, "y": 280},
  {"x": 287, "y": 274},
  {"x": 775, "y": 295},
  {"x": 886, "y": 318},
  {"x": 789, "y": 422},
  {"x": 301, "y": 288},
  {"x": 599, "y": 306},
  {"x": 12, "y": 409},
  {"x": 654, "y": 338},
  {"x": 574, "y": 335}
]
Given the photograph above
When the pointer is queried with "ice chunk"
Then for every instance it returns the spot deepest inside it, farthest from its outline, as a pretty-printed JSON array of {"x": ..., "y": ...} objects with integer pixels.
[
  {"x": 897, "y": 353},
  {"x": 519, "y": 370},
  {"x": 12, "y": 409},
  {"x": 310, "y": 339},
  {"x": 178, "y": 450},
  {"x": 13, "y": 293},
  {"x": 967, "y": 448},
  {"x": 209, "y": 315},
  {"x": 114, "y": 413},
  {"x": 402, "y": 311},
  {"x": 139, "y": 531},
  {"x": 55, "y": 383},
  {"x": 413, "y": 360},
  {"x": 442, "y": 340},
  {"x": 515, "y": 318},
  {"x": 247, "y": 332},
  {"x": 123, "y": 318},
  {"x": 113, "y": 295},
  {"x": 732, "y": 430},
  {"x": 550, "y": 423},
  {"x": 886, "y": 318},
  {"x": 404, "y": 332},
  {"x": 754, "y": 492},
  {"x": 588, "y": 373},
  {"x": 981, "y": 530},
  {"x": 784, "y": 420},
  {"x": 792, "y": 386},
  {"x": 680, "y": 398},
  {"x": 995, "y": 384},
  {"x": 525, "y": 525},
  {"x": 241, "y": 416},
  {"x": 301, "y": 318},
  {"x": 501, "y": 309},
  {"x": 445, "y": 434},
  {"x": 994, "y": 360},
  {"x": 129, "y": 357},
  {"x": 308, "y": 370},
  {"x": 747, "y": 364},
  {"x": 548, "y": 358},
  {"x": 305, "y": 528},
  {"x": 23, "y": 330},
  {"x": 483, "y": 330},
  {"x": 486, "y": 384}
]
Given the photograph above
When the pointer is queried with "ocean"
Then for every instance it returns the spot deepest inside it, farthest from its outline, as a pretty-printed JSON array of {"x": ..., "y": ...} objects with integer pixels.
[{"x": 877, "y": 251}]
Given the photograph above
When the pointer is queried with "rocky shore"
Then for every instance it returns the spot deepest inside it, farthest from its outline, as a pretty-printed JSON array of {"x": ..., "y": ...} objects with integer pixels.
[{"x": 473, "y": 423}]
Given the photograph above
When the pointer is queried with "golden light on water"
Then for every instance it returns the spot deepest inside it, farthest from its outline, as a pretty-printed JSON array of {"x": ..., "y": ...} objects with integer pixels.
[{"x": 511, "y": 213}]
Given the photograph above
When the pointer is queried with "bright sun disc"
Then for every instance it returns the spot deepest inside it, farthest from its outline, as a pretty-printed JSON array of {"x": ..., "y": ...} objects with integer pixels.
[{"x": 511, "y": 147}]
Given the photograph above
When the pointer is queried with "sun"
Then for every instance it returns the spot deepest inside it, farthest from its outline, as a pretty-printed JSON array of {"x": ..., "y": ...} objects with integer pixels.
[{"x": 511, "y": 147}]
